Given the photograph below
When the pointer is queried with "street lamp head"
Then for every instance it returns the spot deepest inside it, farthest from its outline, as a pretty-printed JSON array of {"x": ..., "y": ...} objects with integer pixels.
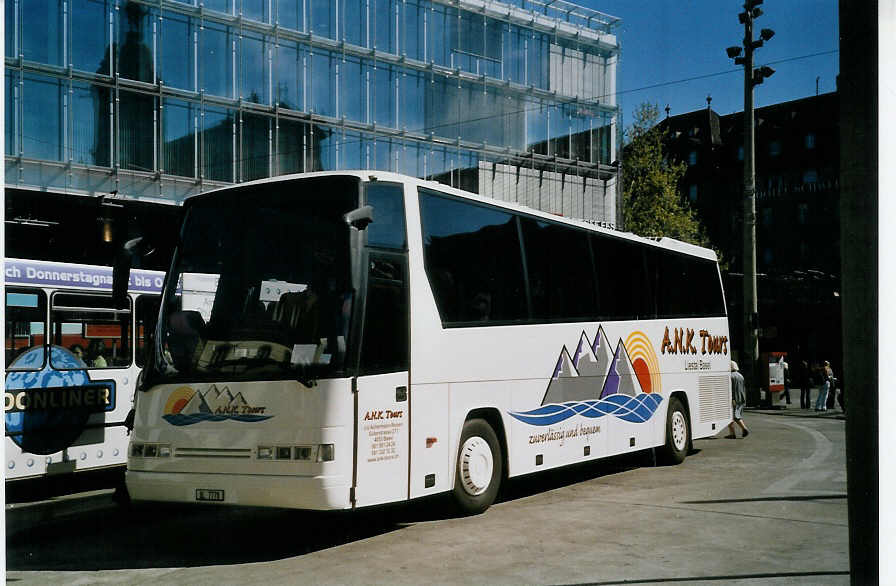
[
  {"x": 760, "y": 73},
  {"x": 766, "y": 34},
  {"x": 734, "y": 51}
]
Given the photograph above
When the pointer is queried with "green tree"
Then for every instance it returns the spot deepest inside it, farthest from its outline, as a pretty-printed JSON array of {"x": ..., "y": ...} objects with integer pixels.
[{"x": 652, "y": 204}]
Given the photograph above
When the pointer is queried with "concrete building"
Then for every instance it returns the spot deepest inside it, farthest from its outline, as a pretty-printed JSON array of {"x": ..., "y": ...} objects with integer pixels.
[{"x": 158, "y": 100}]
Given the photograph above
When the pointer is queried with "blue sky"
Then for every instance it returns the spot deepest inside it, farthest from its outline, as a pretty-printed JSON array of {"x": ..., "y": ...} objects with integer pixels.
[{"x": 663, "y": 42}]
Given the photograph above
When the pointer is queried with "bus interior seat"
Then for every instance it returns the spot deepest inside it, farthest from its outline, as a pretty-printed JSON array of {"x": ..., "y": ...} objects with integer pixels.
[{"x": 298, "y": 312}]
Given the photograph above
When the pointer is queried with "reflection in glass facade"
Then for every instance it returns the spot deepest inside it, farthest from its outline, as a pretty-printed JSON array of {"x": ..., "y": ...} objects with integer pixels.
[{"x": 513, "y": 100}]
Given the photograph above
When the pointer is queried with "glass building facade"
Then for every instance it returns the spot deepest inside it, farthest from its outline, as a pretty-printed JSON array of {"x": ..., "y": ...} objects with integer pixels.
[{"x": 163, "y": 99}]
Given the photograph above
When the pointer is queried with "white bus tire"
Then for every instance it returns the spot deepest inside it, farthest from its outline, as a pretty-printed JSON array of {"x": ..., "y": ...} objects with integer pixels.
[
  {"x": 479, "y": 467},
  {"x": 678, "y": 433}
]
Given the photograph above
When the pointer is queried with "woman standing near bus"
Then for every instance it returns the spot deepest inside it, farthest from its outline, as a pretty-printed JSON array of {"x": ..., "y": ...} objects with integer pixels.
[{"x": 827, "y": 377}]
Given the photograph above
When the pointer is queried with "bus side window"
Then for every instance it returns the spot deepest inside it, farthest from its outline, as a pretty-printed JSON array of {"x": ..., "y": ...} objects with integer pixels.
[
  {"x": 709, "y": 299},
  {"x": 93, "y": 324},
  {"x": 26, "y": 315},
  {"x": 560, "y": 271},
  {"x": 622, "y": 282},
  {"x": 388, "y": 227},
  {"x": 385, "y": 345},
  {"x": 473, "y": 261}
]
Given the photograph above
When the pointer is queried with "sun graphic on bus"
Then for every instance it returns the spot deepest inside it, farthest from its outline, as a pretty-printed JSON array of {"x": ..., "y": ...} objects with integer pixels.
[
  {"x": 644, "y": 361},
  {"x": 178, "y": 400}
]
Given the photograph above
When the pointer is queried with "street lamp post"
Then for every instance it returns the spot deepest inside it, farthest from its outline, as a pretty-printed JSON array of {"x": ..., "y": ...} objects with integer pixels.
[{"x": 752, "y": 78}]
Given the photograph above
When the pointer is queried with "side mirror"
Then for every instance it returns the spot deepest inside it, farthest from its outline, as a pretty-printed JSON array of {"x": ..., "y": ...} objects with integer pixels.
[
  {"x": 121, "y": 270},
  {"x": 360, "y": 218},
  {"x": 186, "y": 323}
]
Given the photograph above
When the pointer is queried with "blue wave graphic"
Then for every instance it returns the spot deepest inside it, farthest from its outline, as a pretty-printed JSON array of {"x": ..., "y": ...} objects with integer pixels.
[
  {"x": 633, "y": 409},
  {"x": 179, "y": 419}
]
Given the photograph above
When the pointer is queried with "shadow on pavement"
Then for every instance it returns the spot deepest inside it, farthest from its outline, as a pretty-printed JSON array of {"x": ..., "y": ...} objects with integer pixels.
[
  {"x": 46, "y": 487},
  {"x": 177, "y": 536},
  {"x": 809, "y": 497},
  {"x": 159, "y": 536},
  {"x": 722, "y": 579},
  {"x": 529, "y": 485}
]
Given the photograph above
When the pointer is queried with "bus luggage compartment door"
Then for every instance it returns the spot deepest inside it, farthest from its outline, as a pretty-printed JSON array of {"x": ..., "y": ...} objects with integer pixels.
[{"x": 381, "y": 441}]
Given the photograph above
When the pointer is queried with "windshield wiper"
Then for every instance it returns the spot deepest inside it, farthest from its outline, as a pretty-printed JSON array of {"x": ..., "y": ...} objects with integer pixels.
[
  {"x": 308, "y": 382},
  {"x": 303, "y": 377}
]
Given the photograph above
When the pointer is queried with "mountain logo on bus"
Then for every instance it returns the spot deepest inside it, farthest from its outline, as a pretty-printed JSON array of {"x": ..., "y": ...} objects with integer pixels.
[
  {"x": 599, "y": 379},
  {"x": 187, "y": 406}
]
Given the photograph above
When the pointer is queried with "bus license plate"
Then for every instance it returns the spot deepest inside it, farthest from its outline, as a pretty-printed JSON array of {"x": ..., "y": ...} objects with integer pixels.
[{"x": 209, "y": 494}]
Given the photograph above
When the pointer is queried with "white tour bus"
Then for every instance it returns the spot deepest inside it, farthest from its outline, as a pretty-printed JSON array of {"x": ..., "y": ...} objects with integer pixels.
[
  {"x": 72, "y": 362},
  {"x": 344, "y": 339}
]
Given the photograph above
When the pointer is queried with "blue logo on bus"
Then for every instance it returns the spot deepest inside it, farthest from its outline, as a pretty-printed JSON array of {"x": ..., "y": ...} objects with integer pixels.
[
  {"x": 47, "y": 404},
  {"x": 601, "y": 379},
  {"x": 633, "y": 409}
]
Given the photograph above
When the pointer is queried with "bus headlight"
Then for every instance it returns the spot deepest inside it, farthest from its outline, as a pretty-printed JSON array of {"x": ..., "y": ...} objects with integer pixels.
[
  {"x": 142, "y": 450},
  {"x": 312, "y": 453},
  {"x": 303, "y": 453},
  {"x": 326, "y": 453}
]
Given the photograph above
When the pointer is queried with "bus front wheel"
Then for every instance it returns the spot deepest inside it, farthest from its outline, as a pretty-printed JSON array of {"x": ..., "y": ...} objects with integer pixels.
[
  {"x": 479, "y": 467},
  {"x": 678, "y": 433}
]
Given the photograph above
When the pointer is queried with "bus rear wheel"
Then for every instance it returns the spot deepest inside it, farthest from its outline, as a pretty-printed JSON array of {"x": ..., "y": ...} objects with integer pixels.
[
  {"x": 678, "y": 433},
  {"x": 479, "y": 467}
]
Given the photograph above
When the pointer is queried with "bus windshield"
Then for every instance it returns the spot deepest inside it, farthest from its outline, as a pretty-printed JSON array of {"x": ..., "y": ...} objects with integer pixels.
[{"x": 260, "y": 286}]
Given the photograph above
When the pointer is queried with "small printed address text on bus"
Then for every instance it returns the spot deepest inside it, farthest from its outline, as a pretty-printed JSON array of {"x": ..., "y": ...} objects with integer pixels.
[{"x": 382, "y": 429}]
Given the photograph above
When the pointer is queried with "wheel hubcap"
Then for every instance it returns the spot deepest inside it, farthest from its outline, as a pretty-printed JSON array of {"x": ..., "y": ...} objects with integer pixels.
[
  {"x": 476, "y": 466},
  {"x": 679, "y": 431}
]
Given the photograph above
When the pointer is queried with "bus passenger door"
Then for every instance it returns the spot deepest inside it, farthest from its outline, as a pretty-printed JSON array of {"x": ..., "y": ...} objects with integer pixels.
[{"x": 382, "y": 391}]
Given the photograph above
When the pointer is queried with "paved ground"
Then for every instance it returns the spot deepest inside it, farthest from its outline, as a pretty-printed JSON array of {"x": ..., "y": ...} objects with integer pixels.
[{"x": 770, "y": 509}]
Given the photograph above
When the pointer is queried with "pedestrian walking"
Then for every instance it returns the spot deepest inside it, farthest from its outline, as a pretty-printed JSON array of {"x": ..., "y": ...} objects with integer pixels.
[
  {"x": 738, "y": 400},
  {"x": 786, "y": 393},
  {"x": 827, "y": 375},
  {"x": 804, "y": 382}
]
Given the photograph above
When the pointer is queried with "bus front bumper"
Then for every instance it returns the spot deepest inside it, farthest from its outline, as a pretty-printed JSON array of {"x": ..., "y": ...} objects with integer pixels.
[{"x": 322, "y": 493}]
